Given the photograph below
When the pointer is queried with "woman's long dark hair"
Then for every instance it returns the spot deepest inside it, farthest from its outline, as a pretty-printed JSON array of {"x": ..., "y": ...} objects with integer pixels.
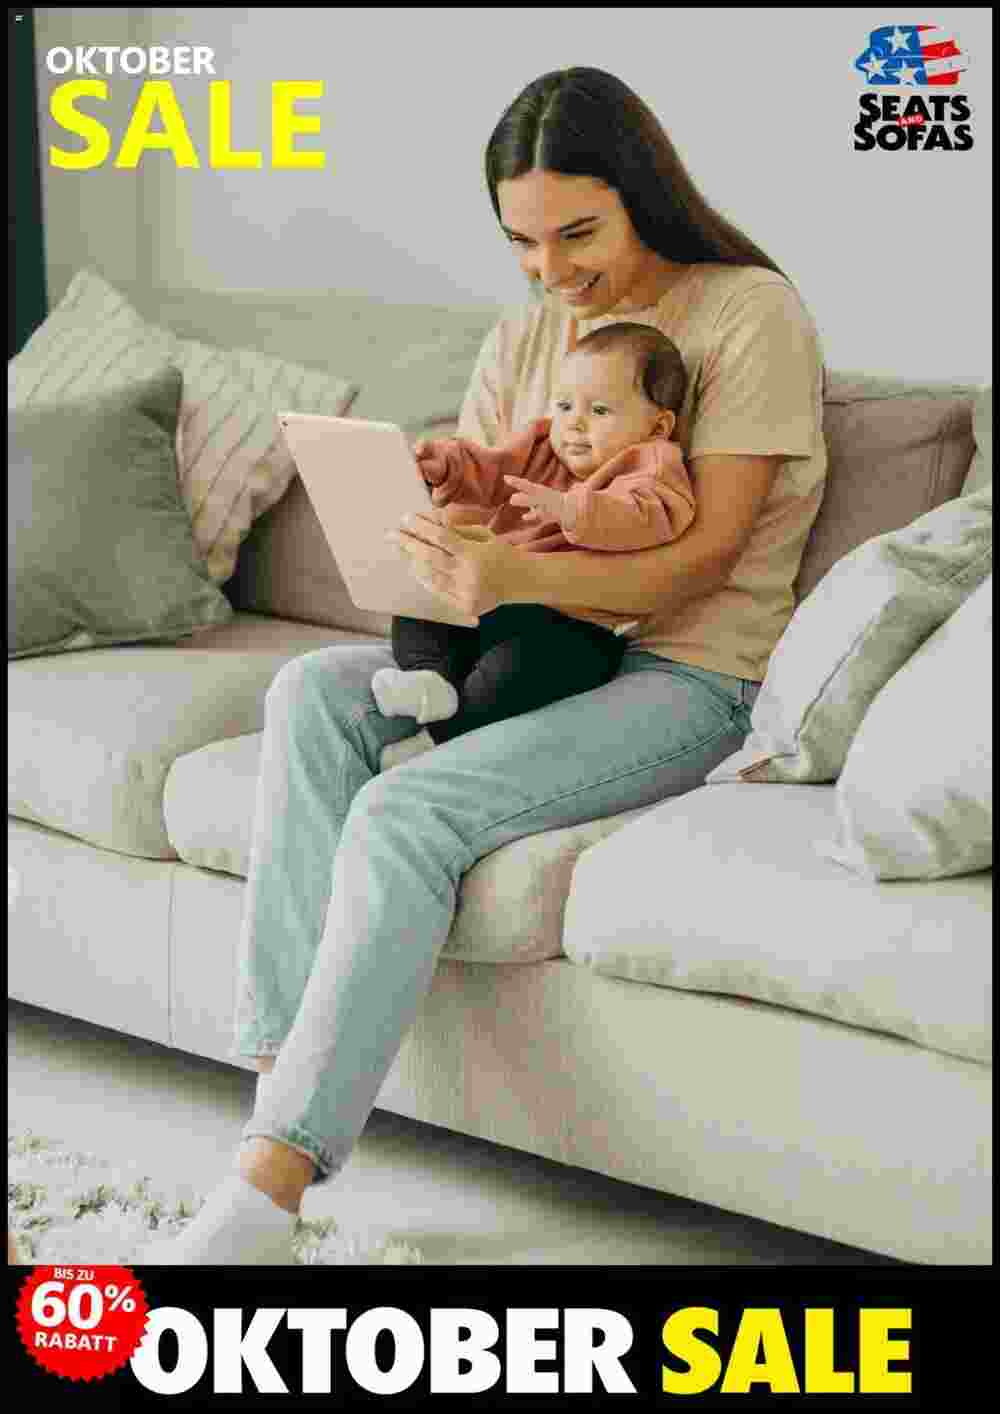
[{"x": 583, "y": 122}]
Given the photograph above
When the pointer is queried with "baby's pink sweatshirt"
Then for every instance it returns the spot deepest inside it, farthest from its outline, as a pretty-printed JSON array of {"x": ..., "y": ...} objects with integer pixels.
[{"x": 640, "y": 498}]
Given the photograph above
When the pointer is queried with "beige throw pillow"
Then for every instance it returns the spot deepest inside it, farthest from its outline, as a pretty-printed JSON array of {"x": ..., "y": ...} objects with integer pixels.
[
  {"x": 915, "y": 797},
  {"x": 858, "y": 627},
  {"x": 232, "y": 461}
]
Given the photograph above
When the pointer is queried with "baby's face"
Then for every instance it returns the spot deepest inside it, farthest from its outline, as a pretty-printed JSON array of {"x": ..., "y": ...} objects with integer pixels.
[{"x": 599, "y": 409}]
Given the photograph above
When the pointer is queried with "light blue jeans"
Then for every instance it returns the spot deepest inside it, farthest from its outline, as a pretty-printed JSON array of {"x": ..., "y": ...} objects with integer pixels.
[{"x": 354, "y": 875}]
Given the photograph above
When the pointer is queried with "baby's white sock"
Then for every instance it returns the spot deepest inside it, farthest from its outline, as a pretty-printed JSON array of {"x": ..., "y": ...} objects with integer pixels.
[
  {"x": 399, "y": 751},
  {"x": 421, "y": 693},
  {"x": 238, "y": 1226}
]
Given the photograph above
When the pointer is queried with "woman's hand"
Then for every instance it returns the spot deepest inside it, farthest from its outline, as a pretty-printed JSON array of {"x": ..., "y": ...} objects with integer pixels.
[{"x": 468, "y": 566}]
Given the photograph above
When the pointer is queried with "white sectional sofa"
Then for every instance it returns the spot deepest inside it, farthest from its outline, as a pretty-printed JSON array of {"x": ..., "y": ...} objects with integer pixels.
[{"x": 131, "y": 796}]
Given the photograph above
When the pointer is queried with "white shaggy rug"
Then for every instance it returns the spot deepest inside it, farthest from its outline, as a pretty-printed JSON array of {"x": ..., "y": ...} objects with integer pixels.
[{"x": 68, "y": 1207}]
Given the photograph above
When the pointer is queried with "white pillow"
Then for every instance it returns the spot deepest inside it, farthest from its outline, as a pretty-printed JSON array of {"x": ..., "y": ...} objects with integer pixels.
[
  {"x": 915, "y": 797},
  {"x": 233, "y": 464},
  {"x": 858, "y": 626}
]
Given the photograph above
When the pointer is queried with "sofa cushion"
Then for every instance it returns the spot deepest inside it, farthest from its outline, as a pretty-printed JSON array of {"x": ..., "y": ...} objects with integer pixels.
[
  {"x": 915, "y": 797},
  {"x": 286, "y": 567},
  {"x": 92, "y": 735},
  {"x": 854, "y": 631},
  {"x": 414, "y": 364},
  {"x": 510, "y": 903},
  {"x": 413, "y": 361},
  {"x": 99, "y": 542},
  {"x": 232, "y": 460},
  {"x": 981, "y": 470},
  {"x": 722, "y": 890},
  {"x": 918, "y": 439},
  {"x": 895, "y": 449}
]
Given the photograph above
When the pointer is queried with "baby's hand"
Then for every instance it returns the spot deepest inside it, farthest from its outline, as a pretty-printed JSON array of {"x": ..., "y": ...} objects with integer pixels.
[
  {"x": 432, "y": 462},
  {"x": 543, "y": 503}
]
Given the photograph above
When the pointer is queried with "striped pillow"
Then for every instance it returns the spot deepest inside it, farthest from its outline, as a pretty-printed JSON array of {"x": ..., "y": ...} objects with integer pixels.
[{"x": 232, "y": 461}]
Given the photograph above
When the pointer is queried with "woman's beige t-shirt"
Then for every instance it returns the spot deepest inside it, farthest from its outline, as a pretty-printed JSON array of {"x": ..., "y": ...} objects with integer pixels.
[{"x": 755, "y": 387}]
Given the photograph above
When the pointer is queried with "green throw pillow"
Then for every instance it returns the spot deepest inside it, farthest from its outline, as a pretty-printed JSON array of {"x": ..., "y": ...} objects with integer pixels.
[{"x": 100, "y": 549}]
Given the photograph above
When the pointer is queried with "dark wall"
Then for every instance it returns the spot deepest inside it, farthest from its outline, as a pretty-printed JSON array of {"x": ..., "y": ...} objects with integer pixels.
[{"x": 27, "y": 302}]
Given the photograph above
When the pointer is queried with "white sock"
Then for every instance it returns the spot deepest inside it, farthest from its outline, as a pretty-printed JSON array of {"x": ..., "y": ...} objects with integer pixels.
[
  {"x": 399, "y": 751},
  {"x": 421, "y": 693},
  {"x": 238, "y": 1226}
]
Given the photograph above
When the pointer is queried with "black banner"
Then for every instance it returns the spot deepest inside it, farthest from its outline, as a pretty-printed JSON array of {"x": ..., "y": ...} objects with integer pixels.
[{"x": 539, "y": 1338}]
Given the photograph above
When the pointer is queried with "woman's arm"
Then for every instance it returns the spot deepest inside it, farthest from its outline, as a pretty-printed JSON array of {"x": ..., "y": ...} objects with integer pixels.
[{"x": 478, "y": 575}]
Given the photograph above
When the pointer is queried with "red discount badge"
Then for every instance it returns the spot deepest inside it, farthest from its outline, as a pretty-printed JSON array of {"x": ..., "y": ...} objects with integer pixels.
[{"x": 81, "y": 1322}]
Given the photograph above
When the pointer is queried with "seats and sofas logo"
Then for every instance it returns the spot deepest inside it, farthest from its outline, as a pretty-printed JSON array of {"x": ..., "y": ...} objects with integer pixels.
[
  {"x": 912, "y": 57},
  {"x": 911, "y": 54}
]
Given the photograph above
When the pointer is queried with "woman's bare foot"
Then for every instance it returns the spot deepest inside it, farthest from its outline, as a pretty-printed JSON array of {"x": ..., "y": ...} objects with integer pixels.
[{"x": 282, "y": 1173}]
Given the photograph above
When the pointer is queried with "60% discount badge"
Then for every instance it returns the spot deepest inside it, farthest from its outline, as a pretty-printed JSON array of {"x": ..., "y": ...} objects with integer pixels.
[{"x": 82, "y": 1322}]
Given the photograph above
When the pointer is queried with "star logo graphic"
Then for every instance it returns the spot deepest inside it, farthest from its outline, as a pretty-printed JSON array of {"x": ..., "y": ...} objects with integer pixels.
[
  {"x": 899, "y": 40},
  {"x": 905, "y": 74},
  {"x": 873, "y": 66}
]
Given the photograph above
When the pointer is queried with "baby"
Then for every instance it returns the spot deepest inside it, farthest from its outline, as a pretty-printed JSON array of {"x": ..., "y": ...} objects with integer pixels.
[{"x": 600, "y": 474}]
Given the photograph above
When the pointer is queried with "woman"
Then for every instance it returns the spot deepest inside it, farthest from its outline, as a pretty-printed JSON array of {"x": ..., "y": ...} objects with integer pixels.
[{"x": 354, "y": 874}]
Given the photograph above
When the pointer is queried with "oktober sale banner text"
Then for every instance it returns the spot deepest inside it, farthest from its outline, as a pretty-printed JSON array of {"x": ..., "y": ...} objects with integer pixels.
[
  {"x": 489, "y": 1338},
  {"x": 158, "y": 120}
]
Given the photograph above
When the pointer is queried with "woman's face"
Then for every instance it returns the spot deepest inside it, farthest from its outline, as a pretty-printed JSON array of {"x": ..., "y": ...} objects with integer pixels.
[{"x": 574, "y": 235}]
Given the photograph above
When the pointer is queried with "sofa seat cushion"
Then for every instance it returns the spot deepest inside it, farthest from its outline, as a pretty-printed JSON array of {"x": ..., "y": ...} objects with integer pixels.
[
  {"x": 723, "y": 890},
  {"x": 92, "y": 734},
  {"x": 510, "y": 904}
]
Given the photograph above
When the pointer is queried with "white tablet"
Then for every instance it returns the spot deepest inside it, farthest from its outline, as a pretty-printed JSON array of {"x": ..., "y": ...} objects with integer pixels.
[{"x": 362, "y": 480}]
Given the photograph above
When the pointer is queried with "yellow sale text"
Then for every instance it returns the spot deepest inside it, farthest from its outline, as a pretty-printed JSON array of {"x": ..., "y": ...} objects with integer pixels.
[
  {"x": 157, "y": 123},
  {"x": 759, "y": 1356}
]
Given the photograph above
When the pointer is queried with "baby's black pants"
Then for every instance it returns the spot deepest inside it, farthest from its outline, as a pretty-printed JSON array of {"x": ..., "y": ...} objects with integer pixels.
[{"x": 521, "y": 657}]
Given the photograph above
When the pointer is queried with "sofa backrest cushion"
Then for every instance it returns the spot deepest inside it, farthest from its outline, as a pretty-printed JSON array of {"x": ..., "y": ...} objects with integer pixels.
[
  {"x": 896, "y": 449},
  {"x": 287, "y": 568},
  {"x": 981, "y": 470},
  {"x": 412, "y": 361}
]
